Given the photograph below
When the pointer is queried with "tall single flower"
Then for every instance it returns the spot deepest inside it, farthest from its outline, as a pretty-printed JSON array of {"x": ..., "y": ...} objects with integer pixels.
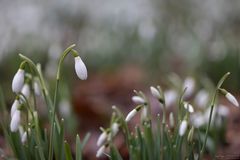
[
  {"x": 80, "y": 68},
  {"x": 15, "y": 122},
  {"x": 18, "y": 81},
  {"x": 183, "y": 127}
]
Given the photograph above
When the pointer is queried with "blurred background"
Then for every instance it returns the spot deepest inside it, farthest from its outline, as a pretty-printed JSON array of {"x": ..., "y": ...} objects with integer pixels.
[{"x": 125, "y": 44}]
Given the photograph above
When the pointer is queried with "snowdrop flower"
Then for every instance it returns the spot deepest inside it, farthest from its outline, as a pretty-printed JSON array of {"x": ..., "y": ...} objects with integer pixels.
[
  {"x": 170, "y": 97},
  {"x": 155, "y": 92},
  {"x": 100, "y": 151},
  {"x": 188, "y": 107},
  {"x": 144, "y": 113},
  {"x": 15, "y": 122},
  {"x": 24, "y": 137},
  {"x": 183, "y": 127},
  {"x": 171, "y": 120},
  {"x": 115, "y": 128},
  {"x": 232, "y": 99},
  {"x": 201, "y": 98},
  {"x": 18, "y": 81},
  {"x": 138, "y": 100},
  {"x": 26, "y": 90},
  {"x": 102, "y": 138},
  {"x": 223, "y": 110},
  {"x": 189, "y": 83},
  {"x": 133, "y": 113},
  {"x": 229, "y": 97},
  {"x": 15, "y": 106},
  {"x": 80, "y": 68}
]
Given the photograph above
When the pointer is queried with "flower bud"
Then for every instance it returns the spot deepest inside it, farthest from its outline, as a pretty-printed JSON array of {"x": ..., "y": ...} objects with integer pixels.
[
  {"x": 26, "y": 90},
  {"x": 131, "y": 115},
  {"x": 80, "y": 68},
  {"x": 15, "y": 122},
  {"x": 183, "y": 127},
  {"x": 155, "y": 92},
  {"x": 24, "y": 137},
  {"x": 15, "y": 106},
  {"x": 18, "y": 81},
  {"x": 100, "y": 151},
  {"x": 189, "y": 83},
  {"x": 188, "y": 107},
  {"x": 138, "y": 100},
  {"x": 102, "y": 138},
  {"x": 190, "y": 135},
  {"x": 115, "y": 128},
  {"x": 36, "y": 88},
  {"x": 232, "y": 99}
]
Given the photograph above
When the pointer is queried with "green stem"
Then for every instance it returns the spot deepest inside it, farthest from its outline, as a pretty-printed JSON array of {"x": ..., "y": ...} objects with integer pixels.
[
  {"x": 65, "y": 53},
  {"x": 211, "y": 112}
]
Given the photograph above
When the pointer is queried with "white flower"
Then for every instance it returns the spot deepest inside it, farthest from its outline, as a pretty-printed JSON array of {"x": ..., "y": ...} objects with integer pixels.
[
  {"x": 223, "y": 110},
  {"x": 201, "y": 98},
  {"x": 100, "y": 151},
  {"x": 102, "y": 138},
  {"x": 36, "y": 88},
  {"x": 188, "y": 107},
  {"x": 183, "y": 127},
  {"x": 189, "y": 83},
  {"x": 65, "y": 108},
  {"x": 15, "y": 106},
  {"x": 198, "y": 120},
  {"x": 115, "y": 128},
  {"x": 170, "y": 97},
  {"x": 232, "y": 99},
  {"x": 18, "y": 81},
  {"x": 80, "y": 68},
  {"x": 15, "y": 122},
  {"x": 171, "y": 120},
  {"x": 155, "y": 92},
  {"x": 26, "y": 90},
  {"x": 24, "y": 137},
  {"x": 131, "y": 115},
  {"x": 138, "y": 100}
]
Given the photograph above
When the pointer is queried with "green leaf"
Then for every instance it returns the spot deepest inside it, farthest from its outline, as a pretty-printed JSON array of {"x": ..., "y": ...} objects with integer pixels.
[{"x": 67, "y": 149}]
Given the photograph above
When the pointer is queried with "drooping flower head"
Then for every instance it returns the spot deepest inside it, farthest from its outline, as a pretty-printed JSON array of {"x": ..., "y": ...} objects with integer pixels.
[
  {"x": 183, "y": 127},
  {"x": 18, "y": 79},
  {"x": 15, "y": 121}
]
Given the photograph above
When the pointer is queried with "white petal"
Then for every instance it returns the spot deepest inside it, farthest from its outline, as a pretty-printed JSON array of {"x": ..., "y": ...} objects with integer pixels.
[
  {"x": 232, "y": 99},
  {"x": 198, "y": 120},
  {"x": 223, "y": 110},
  {"x": 188, "y": 107},
  {"x": 80, "y": 68},
  {"x": 26, "y": 90},
  {"x": 15, "y": 122},
  {"x": 183, "y": 128},
  {"x": 155, "y": 92},
  {"x": 144, "y": 113},
  {"x": 15, "y": 106},
  {"x": 189, "y": 83},
  {"x": 100, "y": 151},
  {"x": 170, "y": 97},
  {"x": 201, "y": 99},
  {"x": 138, "y": 100},
  {"x": 115, "y": 129},
  {"x": 24, "y": 137},
  {"x": 18, "y": 81},
  {"x": 102, "y": 138},
  {"x": 131, "y": 115}
]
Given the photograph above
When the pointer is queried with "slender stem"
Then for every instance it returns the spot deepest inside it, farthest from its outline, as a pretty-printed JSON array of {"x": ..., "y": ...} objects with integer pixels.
[
  {"x": 65, "y": 53},
  {"x": 211, "y": 111}
]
